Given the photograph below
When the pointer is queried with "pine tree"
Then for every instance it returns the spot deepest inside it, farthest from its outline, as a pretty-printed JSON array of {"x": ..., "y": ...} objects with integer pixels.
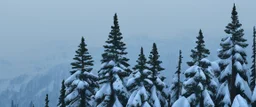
[
  {"x": 233, "y": 78},
  {"x": 199, "y": 86},
  {"x": 158, "y": 97},
  {"x": 115, "y": 48},
  {"x": 139, "y": 84},
  {"x": 113, "y": 71},
  {"x": 46, "y": 101},
  {"x": 62, "y": 95},
  {"x": 176, "y": 83},
  {"x": 83, "y": 60},
  {"x": 200, "y": 51},
  {"x": 81, "y": 83},
  {"x": 253, "y": 67}
]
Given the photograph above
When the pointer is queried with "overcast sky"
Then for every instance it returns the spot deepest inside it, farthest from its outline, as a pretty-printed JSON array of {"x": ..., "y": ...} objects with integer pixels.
[{"x": 29, "y": 24}]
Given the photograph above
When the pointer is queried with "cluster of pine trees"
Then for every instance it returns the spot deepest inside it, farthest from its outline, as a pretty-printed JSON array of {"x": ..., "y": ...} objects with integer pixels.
[{"x": 223, "y": 83}]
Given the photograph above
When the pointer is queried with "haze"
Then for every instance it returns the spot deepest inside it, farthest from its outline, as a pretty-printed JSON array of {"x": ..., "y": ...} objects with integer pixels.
[{"x": 32, "y": 30}]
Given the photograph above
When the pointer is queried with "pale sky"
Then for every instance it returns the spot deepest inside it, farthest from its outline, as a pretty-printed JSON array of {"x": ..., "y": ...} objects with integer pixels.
[{"x": 29, "y": 24}]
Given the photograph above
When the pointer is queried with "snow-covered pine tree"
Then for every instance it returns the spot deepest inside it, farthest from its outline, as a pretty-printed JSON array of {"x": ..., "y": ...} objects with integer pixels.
[
  {"x": 200, "y": 51},
  {"x": 233, "y": 78},
  {"x": 199, "y": 86},
  {"x": 114, "y": 70},
  {"x": 139, "y": 84},
  {"x": 176, "y": 86},
  {"x": 158, "y": 97},
  {"x": 82, "y": 84},
  {"x": 253, "y": 67},
  {"x": 46, "y": 101},
  {"x": 62, "y": 95}
]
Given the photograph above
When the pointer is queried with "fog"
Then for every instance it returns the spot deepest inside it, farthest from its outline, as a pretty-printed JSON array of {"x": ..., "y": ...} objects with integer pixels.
[{"x": 32, "y": 30}]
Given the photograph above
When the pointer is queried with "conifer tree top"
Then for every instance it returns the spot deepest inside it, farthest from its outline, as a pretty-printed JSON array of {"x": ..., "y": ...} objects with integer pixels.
[
  {"x": 115, "y": 47},
  {"x": 154, "y": 62},
  {"x": 141, "y": 62},
  {"x": 199, "y": 52},
  {"x": 82, "y": 60}
]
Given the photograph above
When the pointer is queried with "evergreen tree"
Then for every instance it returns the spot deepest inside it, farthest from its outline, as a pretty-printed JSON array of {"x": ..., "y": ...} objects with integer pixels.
[
  {"x": 199, "y": 85},
  {"x": 253, "y": 67},
  {"x": 81, "y": 83},
  {"x": 46, "y": 101},
  {"x": 200, "y": 51},
  {"x": 158, "y": 96},
  {"x": 113, "y": 71},
  {"x": 115, "y": 47},
  {"x": 233, "y": 77},
  {"x": 83, "y": 60},
  {"x": 139, "y": 84},
  {"x": 62, "y": 95},
  {"x": 176, "y": 83}
]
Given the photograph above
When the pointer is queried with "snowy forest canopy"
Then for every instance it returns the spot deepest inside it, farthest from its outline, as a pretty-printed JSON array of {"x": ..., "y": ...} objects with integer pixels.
[{"x": 224, "y": 82}]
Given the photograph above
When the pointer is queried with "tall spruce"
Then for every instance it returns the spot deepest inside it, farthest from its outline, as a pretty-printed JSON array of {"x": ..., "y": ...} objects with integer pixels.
[
  {"x": 176, "y": 82},
  {"x": 115, "y": 47},
  {"x": 46, "y": 101},
  {"x": 253, "y": 67},
  {"x": 82, "y": 84},
  {"x": 199, "y": 84},
  {"x": 114, "y": 70},
  {"x": 62, "y": 95},
  {"x": 158, "y": 96},
  {"x": 83, "y": 60},
  {"x": 139, "y": 84},
  {"x": 200, "y": 51},
  {"x": 233, "y": 77}
]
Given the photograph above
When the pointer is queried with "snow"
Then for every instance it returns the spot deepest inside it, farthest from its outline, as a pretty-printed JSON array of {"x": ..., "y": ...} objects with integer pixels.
[
  {"x": 238, "y": 57},
  {"x": 239, "y": 49},
  {"x": 243, "y": 85},
  {"x": 156, "y": 102},
  {"x": 192, "y": 69},
  {"x": 146, "y": 105},
  {"x": 215, "y": 66},
  {"x": 254, "y": 95},
  {"x": 205, "y": 60},
  {"x": 189, "y": 81},
  {"x": 226, "y": 72},
  {"x": 191, "y": 98},
  {"x": 207, "y": 99},
  {"x": 105, "y": 90},
  {"x": 201, "y": 74},
  {"x": 117, "y": 103},
  {"x": 223, "y": 90},
  {"x": 239, "y": 101},
  {"x": 226, "y": 40},
  {"x": 238, "y": 65},
  {"x": 111, "y": 63},
  {"x": 82, "y": 84},
  {"x": 117, "y": 69},
  {"x": 72, "y": 77},
  {"x": 181, "y": 102}
]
